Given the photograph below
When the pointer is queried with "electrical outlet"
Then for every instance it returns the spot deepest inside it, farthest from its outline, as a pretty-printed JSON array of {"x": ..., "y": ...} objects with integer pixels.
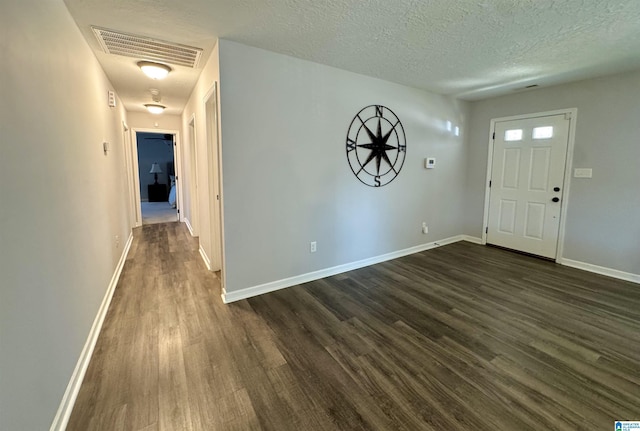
[
  {"x": 425, "y": 228},
  {"x": 312, "y": 246}
]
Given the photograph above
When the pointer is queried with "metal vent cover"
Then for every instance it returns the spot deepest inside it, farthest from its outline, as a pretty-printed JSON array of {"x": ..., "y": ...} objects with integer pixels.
[{"x": 144, "y": 48}]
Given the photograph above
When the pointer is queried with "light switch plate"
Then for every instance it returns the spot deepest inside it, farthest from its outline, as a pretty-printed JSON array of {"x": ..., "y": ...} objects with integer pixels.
[
  {"x": 583, "y": 172},
  {"x": 111, "y": 96}
]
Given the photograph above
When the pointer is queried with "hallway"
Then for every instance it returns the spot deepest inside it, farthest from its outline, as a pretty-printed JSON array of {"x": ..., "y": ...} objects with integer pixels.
[
  {"x": 151, "y": 346},
  {"x": 462, "y": 337}
]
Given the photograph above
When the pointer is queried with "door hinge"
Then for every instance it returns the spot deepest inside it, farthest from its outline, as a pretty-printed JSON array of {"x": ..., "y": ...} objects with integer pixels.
[
  {"x": 486, "y": 229},
  {"x": 178, "y": 210},
  {"x": 489, "y": 183},
  {"x": 494, "y": 135}
]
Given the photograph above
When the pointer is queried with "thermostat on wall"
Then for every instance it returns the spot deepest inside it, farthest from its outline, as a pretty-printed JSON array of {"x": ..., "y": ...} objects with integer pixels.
[{"x": 430, "y": 162}]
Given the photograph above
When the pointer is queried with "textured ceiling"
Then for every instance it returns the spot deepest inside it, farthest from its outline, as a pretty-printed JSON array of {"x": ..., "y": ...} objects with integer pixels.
[{"x": 468, "y": 49}]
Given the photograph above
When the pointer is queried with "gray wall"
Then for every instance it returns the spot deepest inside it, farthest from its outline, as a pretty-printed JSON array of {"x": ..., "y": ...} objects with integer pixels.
[
  {"x": 603, "y": 216},
  {"x": 146, "y": 120},
  {"x": 63, "y": 203},
  {"x": 286, "y": 178}
]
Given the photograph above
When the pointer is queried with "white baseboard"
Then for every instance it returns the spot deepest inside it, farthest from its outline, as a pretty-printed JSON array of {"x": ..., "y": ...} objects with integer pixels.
[
  {"x": 71, "y": 393},
  {"x": 627, "y": 276},
  {"x": 249, "y": 292},
  {"x": 206, "y": 259},
  {"x": 472, "y": 239},
  {"x": 188, "y": 223}
]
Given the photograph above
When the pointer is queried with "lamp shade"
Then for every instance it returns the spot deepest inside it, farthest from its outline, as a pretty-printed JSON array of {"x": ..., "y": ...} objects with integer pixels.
[{"x": 155, "y": 169}]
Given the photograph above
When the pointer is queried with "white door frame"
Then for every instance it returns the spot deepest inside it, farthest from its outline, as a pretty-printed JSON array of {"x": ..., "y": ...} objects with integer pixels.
[
  {"x": 129, "y": 168},
  {"x": 214, "y": 166},
  {"x": 177, "y": 172},
  {"x": 135, "y": 168},
  {"x": 194, "y": 187},
  {"x": 572, "y": 114}
]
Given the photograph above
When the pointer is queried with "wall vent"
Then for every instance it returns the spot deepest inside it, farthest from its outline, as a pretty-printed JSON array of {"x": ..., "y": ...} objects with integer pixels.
[{"x": 144, "y": 48}]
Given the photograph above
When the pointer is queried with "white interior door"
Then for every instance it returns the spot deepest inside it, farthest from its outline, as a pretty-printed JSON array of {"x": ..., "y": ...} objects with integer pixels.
[
  {"x": 176, "y": 174},
  {"x": 214, "y": 168},
  {"x": 527, "y": 181},
  {"x": 194, "y": 208}
]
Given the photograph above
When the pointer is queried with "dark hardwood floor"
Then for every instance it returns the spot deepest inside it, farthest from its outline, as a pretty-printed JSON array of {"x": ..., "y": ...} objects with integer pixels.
[{"x": 462, "y": 337}]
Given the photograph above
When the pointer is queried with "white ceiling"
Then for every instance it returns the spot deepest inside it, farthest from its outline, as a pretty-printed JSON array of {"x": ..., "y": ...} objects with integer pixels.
[{"x": 471, "y": 49}]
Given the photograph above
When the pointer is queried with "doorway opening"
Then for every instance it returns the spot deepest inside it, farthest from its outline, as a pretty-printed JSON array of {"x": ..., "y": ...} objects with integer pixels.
[{"x": 157, "y": 177}]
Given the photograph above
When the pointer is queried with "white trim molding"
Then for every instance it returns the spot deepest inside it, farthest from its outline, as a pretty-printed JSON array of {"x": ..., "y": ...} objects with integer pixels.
[
  {"x": 602, "y": 270},
  {"x": 473, "y": 239},
  {"x": 71, "y": 393},
  {"x": 188, "y": 223},
  {"x": 205, "y": 258},
  {"x": 249, "y": 292}
]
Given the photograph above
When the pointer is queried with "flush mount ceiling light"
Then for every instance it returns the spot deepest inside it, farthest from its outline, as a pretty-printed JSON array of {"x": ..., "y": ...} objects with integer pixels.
[
  {"x": 154, "y": 70},
  {"x": 154, "y": 109}
]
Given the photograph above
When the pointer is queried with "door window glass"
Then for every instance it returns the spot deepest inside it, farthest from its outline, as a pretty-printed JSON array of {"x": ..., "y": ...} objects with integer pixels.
[
  {"x": 513, "y": 135},
  {"x": 545, "y": 132}
]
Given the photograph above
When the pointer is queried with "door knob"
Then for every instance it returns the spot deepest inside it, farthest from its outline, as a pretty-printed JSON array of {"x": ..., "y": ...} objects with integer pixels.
[
  {"x": 556, "y": 189},
  {"x": 556, "y": 199}
]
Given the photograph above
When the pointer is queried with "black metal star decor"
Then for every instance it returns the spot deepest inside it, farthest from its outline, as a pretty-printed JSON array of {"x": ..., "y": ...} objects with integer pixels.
[{"x": 376, "y": 145}]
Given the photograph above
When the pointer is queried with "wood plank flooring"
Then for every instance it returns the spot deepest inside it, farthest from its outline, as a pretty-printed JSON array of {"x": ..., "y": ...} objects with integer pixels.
[{"x": 462, "y": 337}]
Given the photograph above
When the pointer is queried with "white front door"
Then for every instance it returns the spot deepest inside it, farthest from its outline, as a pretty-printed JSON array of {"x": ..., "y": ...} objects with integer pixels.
[{"x": 527, "y": 180}]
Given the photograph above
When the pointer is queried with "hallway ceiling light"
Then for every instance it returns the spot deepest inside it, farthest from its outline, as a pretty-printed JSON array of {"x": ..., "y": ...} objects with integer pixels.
[
  {"x": 154, "y": 109},
  {"x": 154, "y": 70}
]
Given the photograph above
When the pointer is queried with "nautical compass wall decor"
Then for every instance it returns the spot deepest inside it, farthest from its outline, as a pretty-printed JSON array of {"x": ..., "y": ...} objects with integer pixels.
[{"x": 376, "y": 145}]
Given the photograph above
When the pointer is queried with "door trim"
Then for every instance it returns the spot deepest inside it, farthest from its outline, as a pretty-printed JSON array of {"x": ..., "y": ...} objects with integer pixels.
[
  {"x": 573, "y": 116},
  {"x": 194, "y": 185},
  {"x": 134, "y": 172},
  {"x": 129, "y": 169},
  {"x": 211, "y": 105}
]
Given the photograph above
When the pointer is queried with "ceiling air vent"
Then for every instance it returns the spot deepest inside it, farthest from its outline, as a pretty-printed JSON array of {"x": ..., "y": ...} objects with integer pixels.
[{"x": 144, "y": 48}]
